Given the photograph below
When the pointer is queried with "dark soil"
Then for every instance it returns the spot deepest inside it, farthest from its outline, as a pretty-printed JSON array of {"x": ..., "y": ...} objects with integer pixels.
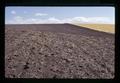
[{"x": 58, "y": 51}]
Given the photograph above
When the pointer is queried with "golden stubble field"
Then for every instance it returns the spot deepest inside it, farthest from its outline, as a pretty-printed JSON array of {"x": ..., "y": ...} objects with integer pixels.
[{"x": 110, "y": 28}]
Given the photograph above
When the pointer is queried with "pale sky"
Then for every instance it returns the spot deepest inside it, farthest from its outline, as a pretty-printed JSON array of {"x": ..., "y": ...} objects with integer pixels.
[{"x": 36, "y": 15}]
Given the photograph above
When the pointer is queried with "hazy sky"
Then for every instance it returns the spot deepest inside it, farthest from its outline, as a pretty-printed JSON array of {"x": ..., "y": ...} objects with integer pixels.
[{"x": 31, "y": 15}]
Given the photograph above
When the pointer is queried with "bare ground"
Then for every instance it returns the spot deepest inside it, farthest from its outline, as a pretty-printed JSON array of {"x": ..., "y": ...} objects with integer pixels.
[{"x": 58, "y": 51}]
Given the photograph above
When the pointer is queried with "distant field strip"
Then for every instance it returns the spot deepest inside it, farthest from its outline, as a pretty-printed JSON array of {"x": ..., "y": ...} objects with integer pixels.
[{"x": 110, "y": 28}]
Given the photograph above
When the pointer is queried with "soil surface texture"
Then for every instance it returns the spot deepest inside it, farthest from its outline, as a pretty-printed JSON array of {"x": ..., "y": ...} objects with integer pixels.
[{"x": 58, "y": 51}]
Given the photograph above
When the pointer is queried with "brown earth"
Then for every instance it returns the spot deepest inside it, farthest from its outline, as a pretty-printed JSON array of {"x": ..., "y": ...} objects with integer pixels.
[{"x": 58, "y": 51}]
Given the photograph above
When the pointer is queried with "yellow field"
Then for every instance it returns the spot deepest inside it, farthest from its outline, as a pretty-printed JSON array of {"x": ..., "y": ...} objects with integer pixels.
[{"x": 110, "y": 28}]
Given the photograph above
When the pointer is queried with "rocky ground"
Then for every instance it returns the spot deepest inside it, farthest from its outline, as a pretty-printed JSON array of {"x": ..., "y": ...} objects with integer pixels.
[{"x": 37, "y": 51}]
